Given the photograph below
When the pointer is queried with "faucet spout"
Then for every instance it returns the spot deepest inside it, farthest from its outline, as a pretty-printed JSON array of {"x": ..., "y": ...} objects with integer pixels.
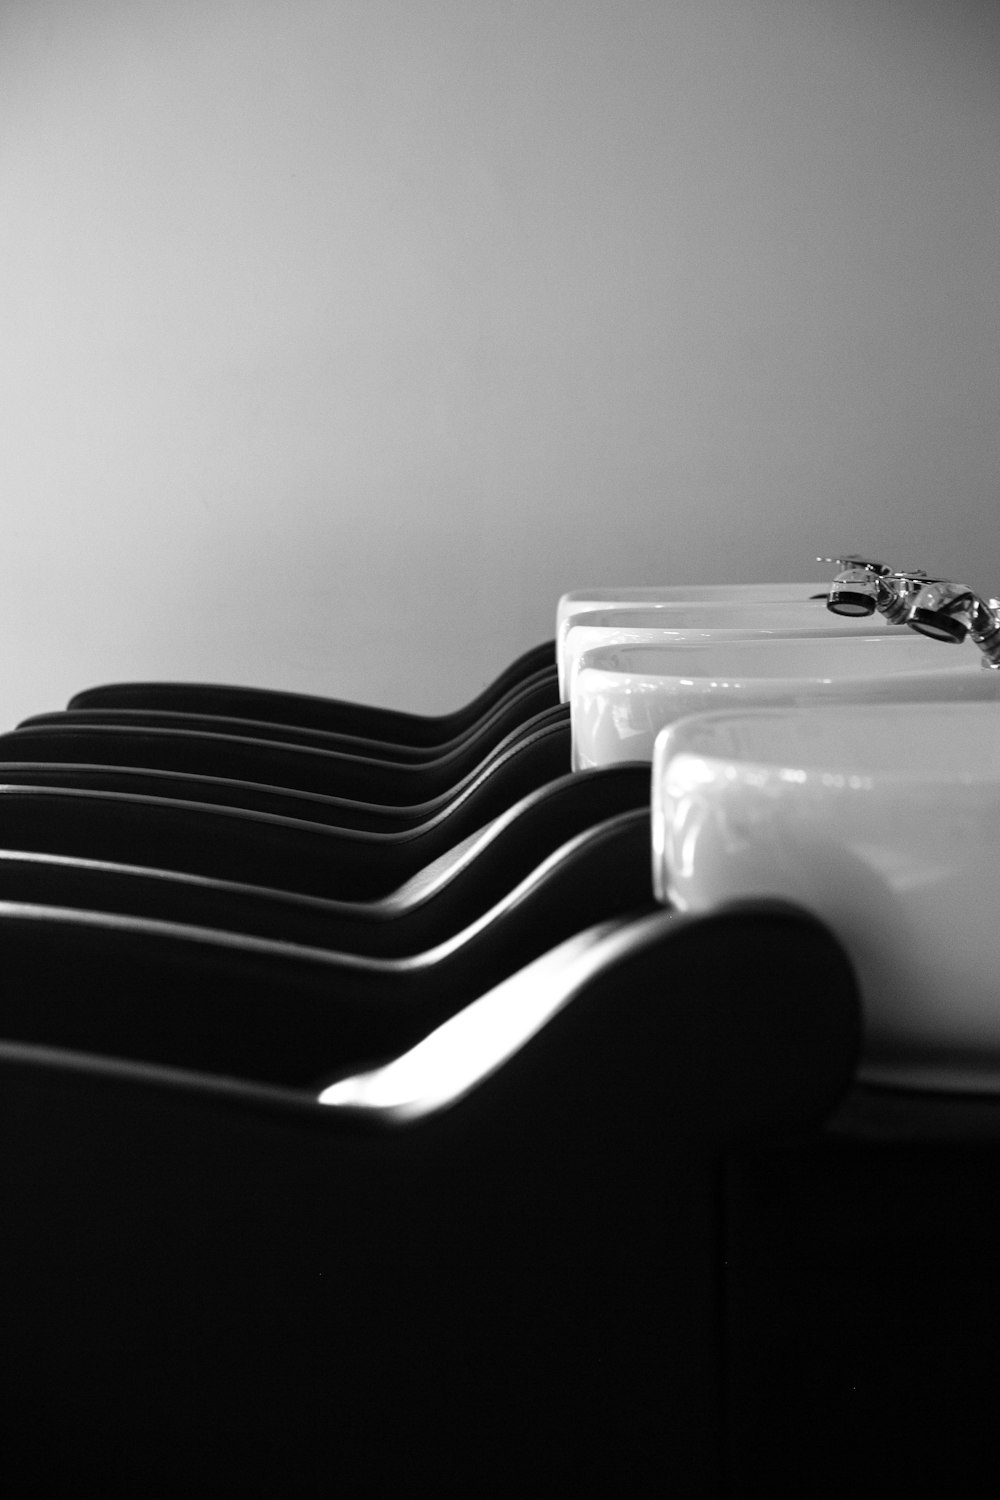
[
  {"x": 854, "y": 591},
  {"x": 951, "y": 611},
  {"x": 866, "y": 586}
]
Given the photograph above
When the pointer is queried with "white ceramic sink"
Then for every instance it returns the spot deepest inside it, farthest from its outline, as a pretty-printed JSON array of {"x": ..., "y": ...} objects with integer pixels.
[
  {"x": 609, "y": 597},
  {"x": 624, "y": 695},
  {"x": 644, "y": 625},
  {"x": 883, "y": 820}
]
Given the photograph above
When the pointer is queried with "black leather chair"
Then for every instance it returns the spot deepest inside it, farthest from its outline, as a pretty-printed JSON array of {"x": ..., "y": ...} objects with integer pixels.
[
  {"x": 213, "y": 1287},
  {"x": 220, "y": 842},
  {"x": 115, "y": 760},
  {"x": 386, "y": 791},
  {"x": 330, "y": 715},
  {"x": 217, "y": 1000},
  {"x": 359, "y": 779},
  {"x": 535, "y": 694},
  {"x": 597, "y": 873}
]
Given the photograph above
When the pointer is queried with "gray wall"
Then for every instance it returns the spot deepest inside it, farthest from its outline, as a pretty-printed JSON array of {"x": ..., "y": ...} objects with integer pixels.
[{"x": 338, "y": 337}]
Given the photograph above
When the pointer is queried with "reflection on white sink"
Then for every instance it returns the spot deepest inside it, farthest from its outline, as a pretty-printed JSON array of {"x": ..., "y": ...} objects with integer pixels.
[
  {"x": 645, "y": 625},
  {"x": 624, "y": 695},
  {"x": 579, "y": 600},
  {"x": 882, "y": 820}
]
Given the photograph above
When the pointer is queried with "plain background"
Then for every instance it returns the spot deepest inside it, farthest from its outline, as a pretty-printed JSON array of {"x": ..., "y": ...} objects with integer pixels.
[{"x": 339, "y": 337}]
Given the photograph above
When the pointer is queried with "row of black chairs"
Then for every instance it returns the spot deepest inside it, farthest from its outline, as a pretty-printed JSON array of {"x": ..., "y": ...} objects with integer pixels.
[{"x": 222, "y": 906}]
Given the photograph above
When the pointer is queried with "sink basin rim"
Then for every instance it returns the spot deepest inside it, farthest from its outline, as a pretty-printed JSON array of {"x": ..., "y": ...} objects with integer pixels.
[
  {"x": 769, "y": 646},
  {"x": 625, "y": 595},
  {"x": 932, "y": 728}
]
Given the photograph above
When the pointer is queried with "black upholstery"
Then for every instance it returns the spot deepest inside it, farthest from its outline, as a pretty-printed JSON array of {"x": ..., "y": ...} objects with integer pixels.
[
  {"x": 369, "y": 794},
  {"x": 568, "y": 875},
  {"x": 210, "y": 1289},
  {"x": 533, "y": 695},
  {"x": 334, "y": 716},
  {"x": 236, "y": 844},
  {"x": 235, "y": 1001}
]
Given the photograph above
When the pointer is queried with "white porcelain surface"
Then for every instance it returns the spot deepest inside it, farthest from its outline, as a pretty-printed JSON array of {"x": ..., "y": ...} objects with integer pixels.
[
  {"x": 624, "y": 695},
  {"x": 646, "y": 624},
  {"x": 882, "y": 820},
  {"x": 609, "y": 597}
]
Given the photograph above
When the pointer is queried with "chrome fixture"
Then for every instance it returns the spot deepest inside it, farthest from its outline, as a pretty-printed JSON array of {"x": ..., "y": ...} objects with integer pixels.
[
  {"x": 854, "y": 591},
  {"x": 950, "y": 611},
  {"x": 865, "y": 586}
]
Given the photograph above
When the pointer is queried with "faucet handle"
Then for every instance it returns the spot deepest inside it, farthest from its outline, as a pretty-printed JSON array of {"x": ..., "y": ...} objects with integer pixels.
[
  {"x": 898, "y": 592},
  {"x": 949, "y": 611},
  {"x": 854, "y": 591},
  {"x": 854, "y": 560},
  {"x": 864, "y": 586}
]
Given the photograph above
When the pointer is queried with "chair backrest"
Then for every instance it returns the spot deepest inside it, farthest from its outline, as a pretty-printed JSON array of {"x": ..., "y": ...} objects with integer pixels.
[
  {"x": 210, "y": 1287},
  {"x": 292, "y": 854},
  {"x": 332, "y": 715},
  {"x": 272, "y": 754}
]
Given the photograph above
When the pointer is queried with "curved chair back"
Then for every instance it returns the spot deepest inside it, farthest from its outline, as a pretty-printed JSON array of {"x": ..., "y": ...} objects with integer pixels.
[
  {"x": 212, "y": 1288},
  {"x": 335, "y": 716}
]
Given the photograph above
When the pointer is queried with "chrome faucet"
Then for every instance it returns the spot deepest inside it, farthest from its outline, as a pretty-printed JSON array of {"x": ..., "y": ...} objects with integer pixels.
[
  {"x": 951, "y": 611},
  {"x": 864, "y": 586}
]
